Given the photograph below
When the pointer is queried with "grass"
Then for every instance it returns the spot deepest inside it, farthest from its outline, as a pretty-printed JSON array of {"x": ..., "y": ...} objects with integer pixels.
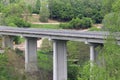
[
  {"x": 94, "y": 29},
  {"x": 46, "y": 26}
]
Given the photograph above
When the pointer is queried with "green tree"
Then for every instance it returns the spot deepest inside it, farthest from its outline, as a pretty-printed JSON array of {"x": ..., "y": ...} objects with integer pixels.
[
  {"x": 107, "y": 5},
  {"x": 37, "y": 7},
  {"x": 12, "y": 15},
  {"x": 116, "y": 6},
  {"x": 13, "y": 1},
  {"x": 44, "y": 11},
  {"x": 110, "y": 70},
  {"x": 65, "y": 10}
]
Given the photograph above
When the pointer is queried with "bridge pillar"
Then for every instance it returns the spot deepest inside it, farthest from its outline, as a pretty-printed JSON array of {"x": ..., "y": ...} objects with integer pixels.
[
  {"x": 59, "y": 60},
  {"x": 31, "y": 54},
  {"x": 94, "y": 53},
  {"x": 93, "y": 57},
  {"x": 7, "y": 41}
]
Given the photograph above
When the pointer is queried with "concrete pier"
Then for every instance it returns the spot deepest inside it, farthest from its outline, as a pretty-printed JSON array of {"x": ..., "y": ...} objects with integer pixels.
[
  {"x": 7, "y": 41},
  {"x": 59, "y": 60},
  {"x": 92, "y": 53},
  {"x": 31, "y": 54}
]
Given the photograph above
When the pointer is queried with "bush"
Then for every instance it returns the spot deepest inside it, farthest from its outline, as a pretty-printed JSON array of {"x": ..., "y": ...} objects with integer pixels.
[
  {"x": 73, "y": 72},
  {"x": 98, "y": 17},
  {"x": 77, "y": 24},
  {"x": 65, "y": 10},
  {"x": 44, "y": 12},
  {"x": 86, "y": 23},
  {"x": 9, "y": 68},
  {"x": 64, "y": 25},
  {"x": 37, "y": 7},
  {"x": 21, "y": 23},
  {"x": 16, "y": 21}
]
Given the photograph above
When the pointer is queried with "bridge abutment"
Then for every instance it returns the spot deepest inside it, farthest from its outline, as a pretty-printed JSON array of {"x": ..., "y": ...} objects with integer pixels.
[
  {"x": 31, "y": 54},
  {"x": 59, "y": 60}
]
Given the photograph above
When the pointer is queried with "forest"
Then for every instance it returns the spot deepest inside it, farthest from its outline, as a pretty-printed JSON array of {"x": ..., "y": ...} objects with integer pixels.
[{"x": 71, "y": 14}]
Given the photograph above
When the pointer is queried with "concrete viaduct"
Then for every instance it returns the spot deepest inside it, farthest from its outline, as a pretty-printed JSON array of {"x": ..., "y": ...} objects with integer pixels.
[{"x": 59, "y": 38}]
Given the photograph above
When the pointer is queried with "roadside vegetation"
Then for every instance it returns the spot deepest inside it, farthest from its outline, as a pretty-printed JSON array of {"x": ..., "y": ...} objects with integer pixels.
[{"x": 48, "y": 26}]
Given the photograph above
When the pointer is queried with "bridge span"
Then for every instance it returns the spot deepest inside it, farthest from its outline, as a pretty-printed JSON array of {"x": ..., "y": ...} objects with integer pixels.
[{"x": 59, "y": 38}]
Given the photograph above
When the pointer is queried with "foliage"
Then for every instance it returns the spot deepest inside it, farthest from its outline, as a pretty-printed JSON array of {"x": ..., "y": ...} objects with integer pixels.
[
  {"x": 116, "y": 6},
  {"x": 44, "y": 12},
  {"x": 112, "y": 22},
  {"x": 12, "y": 14},
  {"x": 16, "y": 21},
  {"x": 45, "y": 60},
  {"x": 1, "y": 7},
  {"x": 18, "y": 39},
  {"x": 13, "y": 1},
  {"x": 107, "y": 6},
  {"x": 73, "y": 72},
  {"x": 37, "y": 7},
  {"x": 108, "y": 67},
  {"x": 13, "y": 9},
  {"x": 79, "y": 51},
  {"x": 9, "y": 67},
  {"x": 61, "y": 11},
  {"x": 46, "y": 26},
  {"x": 94, "y": 29},
  {"x": 65, "y": 10},
  {"x": 77, "y": 24}
]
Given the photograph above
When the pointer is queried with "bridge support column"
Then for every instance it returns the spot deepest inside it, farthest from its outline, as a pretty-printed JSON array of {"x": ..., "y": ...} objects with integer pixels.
[
  {"x": 31, "y": 54},
  {"x": 7, "y": 41},
  {"x": 94, "y": 53},
  {"x": 59, "y": 60},
  {"x": 93, "y": 57}
]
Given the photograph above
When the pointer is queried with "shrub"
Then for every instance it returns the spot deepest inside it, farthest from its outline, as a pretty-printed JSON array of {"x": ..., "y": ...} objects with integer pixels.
[
  {"x": 98, "y": 17},
  {"x": 64, "y": 25},
  {"x": 73, "y": 72},
  {"x": 65, "y": 10},
  {"x": 16, "y": 21},
  {"x": 77, "y": 24},
  {"x": 37, "y": 7},
  {"x": 44, "y": 12},
  {"x": 21, "y": 23},
  {"x": 86, "y": 23}
]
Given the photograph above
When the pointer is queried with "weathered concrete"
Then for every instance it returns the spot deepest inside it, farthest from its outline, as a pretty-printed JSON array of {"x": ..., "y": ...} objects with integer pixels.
[
  {"x": 31, "y": 54},
  {"x": 59, "y": 60},
  {"x": 92, "y": 53},
  {"x": 7, "y": 41}
]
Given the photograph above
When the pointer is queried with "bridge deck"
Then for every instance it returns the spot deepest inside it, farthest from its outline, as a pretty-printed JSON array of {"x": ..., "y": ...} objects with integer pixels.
[{"x": 75, "y": 35}]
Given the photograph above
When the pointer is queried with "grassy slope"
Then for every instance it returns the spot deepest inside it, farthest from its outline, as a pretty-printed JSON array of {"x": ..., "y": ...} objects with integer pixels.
[{"x": 47, "y": 26}]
